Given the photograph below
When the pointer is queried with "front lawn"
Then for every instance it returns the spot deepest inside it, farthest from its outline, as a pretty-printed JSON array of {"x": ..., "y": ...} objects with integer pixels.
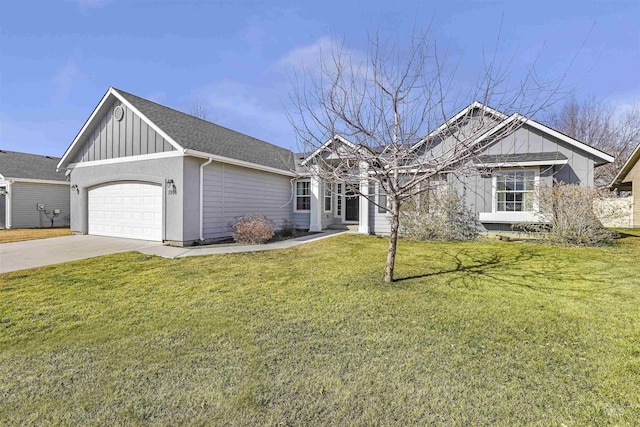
[
  {"x": 489, "y": 333},
  {"x": 20, "y": 234}
]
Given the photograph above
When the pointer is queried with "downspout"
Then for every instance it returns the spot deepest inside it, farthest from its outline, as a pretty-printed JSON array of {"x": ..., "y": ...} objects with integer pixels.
[{"x": 202, "y": 197}]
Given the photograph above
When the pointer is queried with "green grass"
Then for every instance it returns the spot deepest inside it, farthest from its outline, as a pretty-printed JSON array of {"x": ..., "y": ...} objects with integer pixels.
[{"x": 487, "y": 333}]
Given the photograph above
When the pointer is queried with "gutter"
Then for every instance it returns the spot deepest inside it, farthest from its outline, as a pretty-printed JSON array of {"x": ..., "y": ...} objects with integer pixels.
[
  {"x": 222, "y": 159},
  {"x": 202, "y": 197}
]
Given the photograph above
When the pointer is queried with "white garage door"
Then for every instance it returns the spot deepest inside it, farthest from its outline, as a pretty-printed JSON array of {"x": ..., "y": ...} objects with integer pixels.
[{"x": 130, "y": 209}]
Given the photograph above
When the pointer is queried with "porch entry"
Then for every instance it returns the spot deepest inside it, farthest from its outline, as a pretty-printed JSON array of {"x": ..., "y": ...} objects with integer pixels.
[{"x": 352, "y": 207}]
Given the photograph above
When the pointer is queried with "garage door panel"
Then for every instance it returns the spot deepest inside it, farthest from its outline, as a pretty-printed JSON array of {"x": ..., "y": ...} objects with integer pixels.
[{"x": 132, "y": 210}]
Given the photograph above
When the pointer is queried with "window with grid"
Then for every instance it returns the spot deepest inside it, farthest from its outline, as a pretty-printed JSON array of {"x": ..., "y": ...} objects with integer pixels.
[
  {"x": 327, "y": 197},
  {"x": 338, "y": 200},
  {"x": 515, "y": 191},
  {"x": 303, "y": 195}
]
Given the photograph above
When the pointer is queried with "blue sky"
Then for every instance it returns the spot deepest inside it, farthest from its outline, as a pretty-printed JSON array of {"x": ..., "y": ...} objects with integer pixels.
[{"x": 235, "y": 57}]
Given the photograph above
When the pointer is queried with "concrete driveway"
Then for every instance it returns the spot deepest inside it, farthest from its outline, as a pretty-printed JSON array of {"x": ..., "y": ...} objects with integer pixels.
[{"x": 37, "y": 253}]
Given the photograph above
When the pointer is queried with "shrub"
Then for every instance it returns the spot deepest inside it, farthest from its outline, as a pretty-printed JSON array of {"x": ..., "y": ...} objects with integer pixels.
[
  {"x": 566, "y": 213},
  {"x": 439, "y": 215},
  {"x": 253, "y": 229},
  {"x": 288, "y": 229}
]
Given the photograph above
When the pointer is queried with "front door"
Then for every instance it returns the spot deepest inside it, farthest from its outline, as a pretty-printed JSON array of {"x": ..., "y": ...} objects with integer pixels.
[{"x": 352, "y": 206}]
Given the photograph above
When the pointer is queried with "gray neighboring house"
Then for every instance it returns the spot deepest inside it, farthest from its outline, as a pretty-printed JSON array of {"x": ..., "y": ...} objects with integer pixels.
[
  {"x": 32, "y": 192},
  {"x": 141, "y": 170}
]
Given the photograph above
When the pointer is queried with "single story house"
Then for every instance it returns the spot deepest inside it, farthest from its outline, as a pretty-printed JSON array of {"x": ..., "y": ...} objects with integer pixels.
[
  {"x": 32, "y": 193},
  {"x": 628, "y": 179},
  {"x": 142, "y": 170}
]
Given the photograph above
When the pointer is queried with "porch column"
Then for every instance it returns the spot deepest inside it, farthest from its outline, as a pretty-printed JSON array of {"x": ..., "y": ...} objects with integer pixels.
[
  {"x": 315, "y": 222},
  {"x": 363, "y": 221}
]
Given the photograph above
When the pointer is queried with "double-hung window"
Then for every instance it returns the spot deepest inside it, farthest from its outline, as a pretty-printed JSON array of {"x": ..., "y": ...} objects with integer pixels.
[
  {"x": 327, "y": 197},
  {"x": 303, "y": 196},
  {"x": 515, "y": 190}
]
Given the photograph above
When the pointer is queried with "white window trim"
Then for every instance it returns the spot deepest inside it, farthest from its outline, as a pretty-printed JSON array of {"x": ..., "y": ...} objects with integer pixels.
[
  {"x": 295, "y": 196},
  {"x": 339, "y": 197},
  {"x": 378, "y": 195},
  {"x": 327, "y": 185},
  {"x": 494, "y": 192}
]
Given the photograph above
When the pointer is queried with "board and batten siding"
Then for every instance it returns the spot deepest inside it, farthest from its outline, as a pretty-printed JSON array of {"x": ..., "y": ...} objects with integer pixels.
[
  {"x": 128, "y": 137},
  {"x": 526, "y": 139},
  {"x": 25, "y": 197},
  {"x": 232, "y": 191}
]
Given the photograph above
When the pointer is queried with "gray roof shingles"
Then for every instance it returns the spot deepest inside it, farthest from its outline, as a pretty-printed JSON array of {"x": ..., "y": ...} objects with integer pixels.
[
  {"x": 29, "y": 166},
  {"x": 200, "y": 135}
]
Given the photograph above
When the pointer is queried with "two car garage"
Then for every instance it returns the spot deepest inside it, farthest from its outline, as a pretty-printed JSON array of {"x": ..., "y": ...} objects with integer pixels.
[{"x": 126, "y": 209}]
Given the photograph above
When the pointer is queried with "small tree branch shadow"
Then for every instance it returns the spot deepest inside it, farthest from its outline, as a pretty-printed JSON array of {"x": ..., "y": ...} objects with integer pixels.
[{"x": 472, "y": 270}]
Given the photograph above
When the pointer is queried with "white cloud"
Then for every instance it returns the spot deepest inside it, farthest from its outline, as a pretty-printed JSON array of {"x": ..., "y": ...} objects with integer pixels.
[
  {"x": 65, "y": 78},
  {"x": 248, "y": 109},
  {"x": 309, "y": 57},
  {"x": 323, "y": 52}
]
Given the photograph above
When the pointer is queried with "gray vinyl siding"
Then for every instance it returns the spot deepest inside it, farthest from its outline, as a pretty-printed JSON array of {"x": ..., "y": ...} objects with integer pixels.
[
  {"x": 378, "y": 222},
  {"x": 232, "y": 191},
  {"x": 302, "y": 220},
  {"x": 24, "y": 198},
  {"x": 130, "y": 136}
]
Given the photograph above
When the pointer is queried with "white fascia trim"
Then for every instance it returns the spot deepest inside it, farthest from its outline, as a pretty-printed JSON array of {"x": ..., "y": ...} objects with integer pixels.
[
  {"x": 63, "y": 161},
  {"x": 163, "y": 155},
  {"x": 581, "y": 145},
  {"x": 627, "y": 166},
  {"x": 236, "y": 162},
  {"x": 522, "y": 164},
  {"x": 323, "y": 146},
  {"x": 445, "y": 125},
  {"x": 37, "y": 181}
]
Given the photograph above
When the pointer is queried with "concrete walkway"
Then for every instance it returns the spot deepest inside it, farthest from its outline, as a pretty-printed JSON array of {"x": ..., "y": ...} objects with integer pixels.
[
  {"x": 175, "y": 252},
  {"x": 38, "y": 253}
]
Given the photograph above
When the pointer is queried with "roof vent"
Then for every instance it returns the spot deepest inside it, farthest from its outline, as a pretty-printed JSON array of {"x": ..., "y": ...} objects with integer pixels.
[{"x": 118, "y": 112}]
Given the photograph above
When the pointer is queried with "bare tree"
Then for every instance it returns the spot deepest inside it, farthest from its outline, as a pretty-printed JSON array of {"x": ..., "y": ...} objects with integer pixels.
[
  {"x": 199, "y": 111},
  {"x": 598, "y": 125},
  {"x": 365, "y": 119}
]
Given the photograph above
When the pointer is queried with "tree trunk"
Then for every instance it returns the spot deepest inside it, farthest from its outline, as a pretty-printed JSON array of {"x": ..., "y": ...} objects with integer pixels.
[{"x": 393, "y": 242}]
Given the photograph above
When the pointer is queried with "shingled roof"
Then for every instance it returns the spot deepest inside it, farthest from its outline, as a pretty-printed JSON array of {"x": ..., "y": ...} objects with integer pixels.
[
  {"x": 200, "y": 135},
  {"x": 29, "y": 166}
]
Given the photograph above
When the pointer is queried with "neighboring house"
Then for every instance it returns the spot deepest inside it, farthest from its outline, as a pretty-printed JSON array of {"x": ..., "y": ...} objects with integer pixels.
[
  {"x": 32, "y": 192},
  {"x": 142, "y": 170},
  {"x": 628, "y": 179}
]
